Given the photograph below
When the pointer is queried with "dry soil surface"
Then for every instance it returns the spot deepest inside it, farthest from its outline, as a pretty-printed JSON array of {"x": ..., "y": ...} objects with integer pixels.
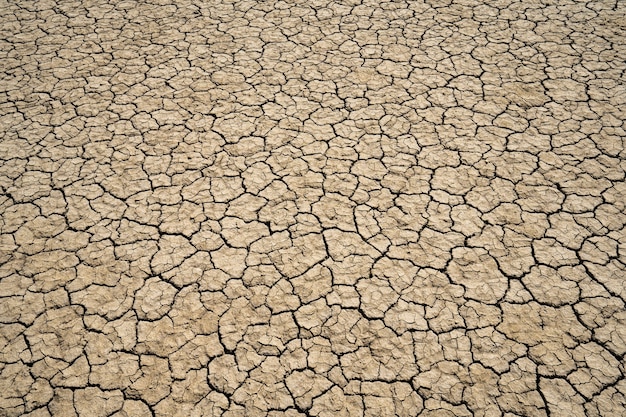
[{"x": 312, "y": 208}]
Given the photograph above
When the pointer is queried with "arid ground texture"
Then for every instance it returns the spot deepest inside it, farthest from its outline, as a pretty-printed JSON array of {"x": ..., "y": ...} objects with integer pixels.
[{"x": 312, "y": 208}]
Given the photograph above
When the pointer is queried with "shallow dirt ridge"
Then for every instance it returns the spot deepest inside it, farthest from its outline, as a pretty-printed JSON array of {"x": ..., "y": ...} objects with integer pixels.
[{"x": 307, "y": 208}]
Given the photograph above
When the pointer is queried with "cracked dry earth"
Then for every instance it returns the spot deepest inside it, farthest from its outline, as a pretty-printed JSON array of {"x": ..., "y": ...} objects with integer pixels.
[{"x": 312, "y": 208}]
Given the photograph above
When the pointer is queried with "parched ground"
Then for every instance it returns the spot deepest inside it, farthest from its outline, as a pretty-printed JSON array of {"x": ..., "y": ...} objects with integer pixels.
[{"x": 312, "y": 208}]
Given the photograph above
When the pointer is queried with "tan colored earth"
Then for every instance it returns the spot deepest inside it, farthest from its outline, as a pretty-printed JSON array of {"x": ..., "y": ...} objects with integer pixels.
[{"x": 312, "y": 208}]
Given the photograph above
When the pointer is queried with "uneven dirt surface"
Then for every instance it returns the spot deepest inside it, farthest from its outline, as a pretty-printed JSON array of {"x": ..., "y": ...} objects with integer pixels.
[{"x": 312, "y": 208}]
